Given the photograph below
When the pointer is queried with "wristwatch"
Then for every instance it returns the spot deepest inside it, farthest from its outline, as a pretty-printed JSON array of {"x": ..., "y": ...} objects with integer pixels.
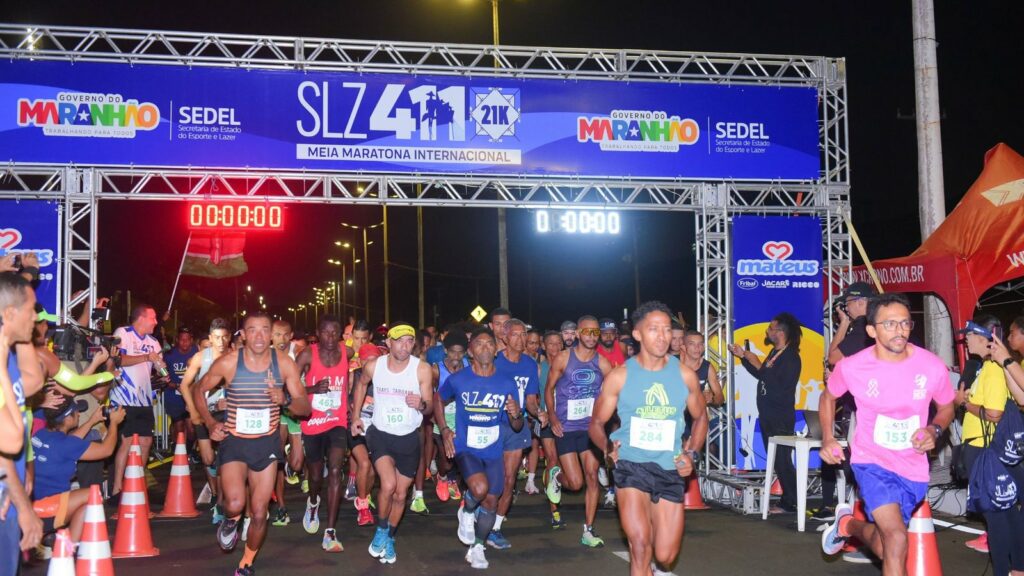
[
  {"x": 1007, "y": 363},
  {"x": 938, "y": 430}
]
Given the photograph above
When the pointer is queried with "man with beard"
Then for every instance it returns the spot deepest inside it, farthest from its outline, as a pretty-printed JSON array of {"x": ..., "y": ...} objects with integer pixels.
[
  {"x": 291, "y": 433},
  {"x": 574, "y": 383},
  {"x": 609, "y": 345},
  {"x": 894, "y": 384}
]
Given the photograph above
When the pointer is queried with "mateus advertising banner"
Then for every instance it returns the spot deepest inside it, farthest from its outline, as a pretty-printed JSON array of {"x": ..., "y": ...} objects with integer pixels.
[
  {"x": 34, "y": 226},
  {"x": 91, "y": 113},
  {"x": 776, "y": 267}
]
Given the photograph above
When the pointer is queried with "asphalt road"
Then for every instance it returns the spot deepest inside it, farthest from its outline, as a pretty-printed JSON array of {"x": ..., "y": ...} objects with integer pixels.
[{"x": 717, "y": 542}]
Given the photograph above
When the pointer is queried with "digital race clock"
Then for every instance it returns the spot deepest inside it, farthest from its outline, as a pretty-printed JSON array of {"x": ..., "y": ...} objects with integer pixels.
[
  {"x": 234, "y": 216},
  {"x": 578, "y": 221}
]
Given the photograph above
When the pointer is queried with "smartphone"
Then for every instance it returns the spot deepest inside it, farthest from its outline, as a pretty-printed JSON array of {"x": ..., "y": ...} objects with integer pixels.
[
  {"x": 746, "y": 344},
  {"x": 997, "y": 331}
]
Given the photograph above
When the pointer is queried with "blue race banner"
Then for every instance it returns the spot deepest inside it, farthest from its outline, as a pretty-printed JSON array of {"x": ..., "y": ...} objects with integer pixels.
[
  {"x": 34, "y": 226},
  {"x": 776, "y": 267},
  {"x": 144, "y": 115}
]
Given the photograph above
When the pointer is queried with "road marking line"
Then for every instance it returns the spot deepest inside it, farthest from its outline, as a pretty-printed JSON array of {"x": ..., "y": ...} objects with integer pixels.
[{"x": 959, "y": 527}]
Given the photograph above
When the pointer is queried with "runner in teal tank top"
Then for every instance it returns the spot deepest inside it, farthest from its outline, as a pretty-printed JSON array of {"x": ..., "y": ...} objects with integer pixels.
[{"x": 651, "y": 464}]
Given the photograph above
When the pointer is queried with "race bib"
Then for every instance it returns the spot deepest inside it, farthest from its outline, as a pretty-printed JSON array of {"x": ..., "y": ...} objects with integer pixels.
[
  {"x": 329, "y": 401},
  {"x": 580, "y": 409},
  {"x": 367, "y": 412},
  {"x": 395, "y": 416},
  {"x": 654, "y": 435},
  {"x": 481, "y": 436},
  {"x": 248, "y": 421},
  {"x": 895, "y": 434}
]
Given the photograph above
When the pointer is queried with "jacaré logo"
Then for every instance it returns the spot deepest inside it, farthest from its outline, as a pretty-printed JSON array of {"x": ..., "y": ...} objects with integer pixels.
[{"x": 777, "y": 262}]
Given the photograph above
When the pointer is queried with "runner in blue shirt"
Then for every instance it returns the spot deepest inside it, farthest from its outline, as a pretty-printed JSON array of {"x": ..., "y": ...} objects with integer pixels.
[{"x": 484, "y": 399}]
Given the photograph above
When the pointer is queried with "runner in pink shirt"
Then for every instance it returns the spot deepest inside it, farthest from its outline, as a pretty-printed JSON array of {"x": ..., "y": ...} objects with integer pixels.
[{"x": 894, "y": 384}]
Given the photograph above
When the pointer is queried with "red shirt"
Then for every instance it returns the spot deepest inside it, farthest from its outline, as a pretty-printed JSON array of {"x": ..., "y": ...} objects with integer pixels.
[{"x": 329, "y": 410}]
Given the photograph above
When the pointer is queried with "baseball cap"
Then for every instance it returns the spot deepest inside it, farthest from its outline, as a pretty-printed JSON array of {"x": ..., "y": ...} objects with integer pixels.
[
  {"x": 859, "y": 290},
  {"x": 607, "y": 324},
  {"x": 568, "y": 325},
  {"x": 972, "y": 328}
]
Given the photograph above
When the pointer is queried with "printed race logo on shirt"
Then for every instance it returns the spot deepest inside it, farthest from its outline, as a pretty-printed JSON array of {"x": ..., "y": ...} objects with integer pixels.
[
  {"x": 872, "y": 388},
  {"x": 921, "y": 392}
]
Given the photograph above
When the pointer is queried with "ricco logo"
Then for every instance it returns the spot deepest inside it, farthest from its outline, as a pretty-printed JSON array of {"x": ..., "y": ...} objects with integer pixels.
[
  {"x": 89, "y": 115},
  {"x": 777, "y": 262}
]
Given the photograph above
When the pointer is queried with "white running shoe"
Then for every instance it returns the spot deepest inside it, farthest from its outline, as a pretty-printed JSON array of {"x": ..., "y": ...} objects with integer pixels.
[
  {"x": 476, "y": 557},
  {"x": 602, "y": 477},
  {"x": 467, "y": 524}
]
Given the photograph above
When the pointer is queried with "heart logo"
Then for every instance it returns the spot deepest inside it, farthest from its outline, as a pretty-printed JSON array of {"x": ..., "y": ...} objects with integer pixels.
[
  {"x": 9, "y": 238},
  {"x": 777, "y": 250}
]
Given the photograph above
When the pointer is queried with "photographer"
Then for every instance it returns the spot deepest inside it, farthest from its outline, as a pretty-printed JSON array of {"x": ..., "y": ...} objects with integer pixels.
[
  {"x": 139, "y": 355},
  {"x": 851, "y": 335},
  {"x": 58, "y": 448}
]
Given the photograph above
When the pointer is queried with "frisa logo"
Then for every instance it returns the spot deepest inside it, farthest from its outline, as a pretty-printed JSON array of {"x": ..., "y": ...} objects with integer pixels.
[
  {"x": 777, "y": 262},
  {"x": 746, "y": 283},
  {"x": 88, "y": 115},
  {"x": 638, "y": 131}
]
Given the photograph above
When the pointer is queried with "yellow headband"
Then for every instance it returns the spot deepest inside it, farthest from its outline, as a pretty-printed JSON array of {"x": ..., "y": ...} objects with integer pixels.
[{"x": 400, "y": 330}]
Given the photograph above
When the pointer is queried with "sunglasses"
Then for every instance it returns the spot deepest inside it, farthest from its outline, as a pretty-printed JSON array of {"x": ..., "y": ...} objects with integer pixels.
[{"x": 590, "y": 332}]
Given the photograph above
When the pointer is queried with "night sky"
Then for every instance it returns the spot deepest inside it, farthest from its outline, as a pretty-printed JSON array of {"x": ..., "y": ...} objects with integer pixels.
[{"x": 558, "y": 277}]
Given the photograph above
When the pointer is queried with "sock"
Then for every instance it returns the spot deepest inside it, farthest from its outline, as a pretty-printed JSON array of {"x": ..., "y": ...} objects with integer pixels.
[
  {"x": 844, "y": 525},
  {"x": 392, "y": 530},
  {"x": 498, "y": 519},
  {"x": 469, "y": 503},
  {"x": 248, "y": 557},
  {"x": 484, "y": 523},
  {"x": 530, "y": 476},
  {"x": 382, "y": 523},
  {"x": 417, "y": 494}
]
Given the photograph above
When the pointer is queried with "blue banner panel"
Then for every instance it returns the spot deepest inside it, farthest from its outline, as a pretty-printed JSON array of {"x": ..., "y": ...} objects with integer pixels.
[
  {"x": 776, "y": 267},
  {"x": 34, "y": 226},
  {"x": 113, "y": 114}
]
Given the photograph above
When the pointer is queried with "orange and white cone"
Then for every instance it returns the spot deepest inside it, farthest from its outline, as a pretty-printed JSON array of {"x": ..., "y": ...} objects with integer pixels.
[
  {"x": 133, "y": 538},
  {"x": 94, "y": 548},
  {"x": 693, "y": 500},
  {"x": 776, "y": 488},
  {"x": 923, "y": 549},
  {"x": 178, "y": 503},
  {"x": 63, "y": 561}
]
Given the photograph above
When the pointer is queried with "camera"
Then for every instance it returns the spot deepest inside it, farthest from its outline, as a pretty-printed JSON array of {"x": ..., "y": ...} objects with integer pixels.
[
  {"x": 78, "y": 344},
  {"x": 839, "y": 305}
]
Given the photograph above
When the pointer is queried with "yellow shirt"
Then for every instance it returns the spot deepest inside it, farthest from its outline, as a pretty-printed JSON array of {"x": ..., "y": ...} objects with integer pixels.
[{"x": 990, "y": 392}]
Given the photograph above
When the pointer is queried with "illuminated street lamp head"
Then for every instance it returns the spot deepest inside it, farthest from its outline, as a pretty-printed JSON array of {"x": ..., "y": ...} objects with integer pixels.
[
  {"x": 350, "y": 281},
  {"x": 248, "y": 288},
  {"x": 337, "y": 242},
  {"x": 346, "y": 245}
]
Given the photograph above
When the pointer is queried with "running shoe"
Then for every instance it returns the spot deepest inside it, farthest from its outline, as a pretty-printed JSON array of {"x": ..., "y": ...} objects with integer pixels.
[
  {"x": 380, "y": 539},
  {"x": 227, "y": 534},
  {"x": 498, "y": 541},
  {"x": 857, "y": 557},
  {"x": 305, "y": 486},
  {"x": 247, "y": 571},
  {"x": 331, "y": 542},
  {"x": 609, "y": 499},
  {"x": 476, "y": 557},
  {"x": 591, "y": 539},
  {"x": 522, "y": 474},
  {"x": 350, "y": 491},
  {"x": 531, "y": 488},
  {"x": 281, "y": 517},
  {"x": 441, "y": 489},
  {"x": 554, "y": 489},
  {"x": 245, "y": 528},
  {"x": 289, "y": 475},
  {"x": 389, "y": 555},
  {"x": 979, "y": 544},
  {"x": 658, "y": 571},
  {"x": 453, "y": 490},
  {"x": 433, "y": 468},
  {"x": 419, "y": 506},
  {"x": 556, "y": 521},
  {"x": 467, "y": 523},
  {"x": 602, "y": 477},
  {"x": 365, "y": 517},
  {"x": 311, "y": 519},
  {"x": 823, "y": 514},
  {"x": 218, "y": 514},
  {"x": 831, "y": 541},
  {"x": 369, "y": 500}
]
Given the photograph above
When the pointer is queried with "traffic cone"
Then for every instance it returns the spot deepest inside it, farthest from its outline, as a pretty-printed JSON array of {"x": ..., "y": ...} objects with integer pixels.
[
  {"x": 94, "y": 549},
  {"x": 178, "y": 503},
  {"x": 133, "y": 538},
  {"x": 693, "y": 499},
  {"x": 853, "y": 544},
  {"x": 776, "y": 488},
  {"x": 922, "y": 548},
  {"x": 134, "y": 448},
  {"x": 63, "y": 561}
]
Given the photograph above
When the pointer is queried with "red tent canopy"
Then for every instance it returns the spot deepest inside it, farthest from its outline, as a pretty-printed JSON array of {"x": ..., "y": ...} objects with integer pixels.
[{"x": 980, "y": 244}]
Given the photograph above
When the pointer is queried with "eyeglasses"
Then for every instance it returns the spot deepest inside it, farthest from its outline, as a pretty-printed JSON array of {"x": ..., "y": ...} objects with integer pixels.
[
  {"x": 590, "y": 332},
  {"x": 890, "y": 325}
]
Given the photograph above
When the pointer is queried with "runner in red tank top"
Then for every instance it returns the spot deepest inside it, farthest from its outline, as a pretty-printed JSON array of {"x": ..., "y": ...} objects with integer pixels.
[
  {"x": 609, "y": 345},
  {"x": 325, "y": 432}
]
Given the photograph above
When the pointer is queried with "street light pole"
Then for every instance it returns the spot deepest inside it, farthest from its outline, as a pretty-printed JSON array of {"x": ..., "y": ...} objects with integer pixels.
[
  {"x": 387, "y": 265},
  {"x": 502, "y": 232},
  {"x": 366, "y": 278}
]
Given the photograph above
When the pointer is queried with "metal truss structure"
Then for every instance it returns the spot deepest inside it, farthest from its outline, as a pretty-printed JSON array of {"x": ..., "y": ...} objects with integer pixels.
[{"x": 80, "y": 188}]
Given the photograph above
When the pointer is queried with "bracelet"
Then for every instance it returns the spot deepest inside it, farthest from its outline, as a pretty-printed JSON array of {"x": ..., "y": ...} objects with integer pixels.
[{"x": 1007, "y": 363}]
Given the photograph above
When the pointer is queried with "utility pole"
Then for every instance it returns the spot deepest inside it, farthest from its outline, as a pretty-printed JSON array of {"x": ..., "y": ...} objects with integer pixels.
[
  {"x": 387, "y": 266},
  {"x": 930, "y": 185},
  {"x": 502, "y": 235},
  {"x": 419, "y": 261}
]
